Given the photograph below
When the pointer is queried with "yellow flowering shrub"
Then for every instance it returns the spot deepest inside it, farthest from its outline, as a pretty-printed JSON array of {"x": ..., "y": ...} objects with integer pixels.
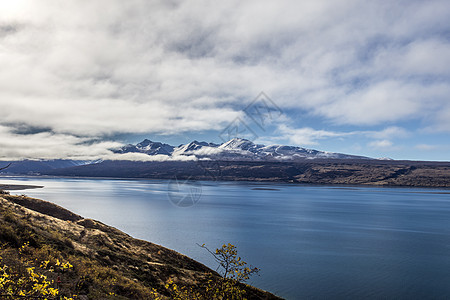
[{"x": 24, "y": 276}]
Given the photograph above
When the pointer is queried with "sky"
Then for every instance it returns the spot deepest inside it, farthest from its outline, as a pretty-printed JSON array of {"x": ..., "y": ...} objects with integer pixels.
[{"x": 78, "y": 78}]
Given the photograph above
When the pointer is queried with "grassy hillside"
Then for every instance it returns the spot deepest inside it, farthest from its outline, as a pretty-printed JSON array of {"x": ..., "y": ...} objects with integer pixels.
[{"x": 91, "y": 260}]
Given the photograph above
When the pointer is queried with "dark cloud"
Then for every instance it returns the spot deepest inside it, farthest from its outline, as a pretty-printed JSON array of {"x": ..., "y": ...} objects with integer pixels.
[{"x": 25, "y": 129}]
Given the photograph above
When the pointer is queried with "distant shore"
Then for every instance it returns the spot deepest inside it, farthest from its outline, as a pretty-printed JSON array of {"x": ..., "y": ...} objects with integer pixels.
[
  {"x": 18, "y": 187},
  {"x": 320, "y": 171}
]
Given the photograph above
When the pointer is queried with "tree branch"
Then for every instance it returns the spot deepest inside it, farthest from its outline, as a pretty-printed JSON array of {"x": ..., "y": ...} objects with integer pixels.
[{"x": 5, "y": 167}]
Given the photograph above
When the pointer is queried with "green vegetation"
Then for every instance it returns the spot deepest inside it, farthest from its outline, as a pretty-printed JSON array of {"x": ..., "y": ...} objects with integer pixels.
[{"x": 231, "y": 265}]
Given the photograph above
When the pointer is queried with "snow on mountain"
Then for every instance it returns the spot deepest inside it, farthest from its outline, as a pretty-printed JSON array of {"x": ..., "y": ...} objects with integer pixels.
[
  {"x": 147, "y": 147},
  {"x": 234, "y": 149},
  {"x": 196, "y": 148},
  {"x": 240, "y": 144}
]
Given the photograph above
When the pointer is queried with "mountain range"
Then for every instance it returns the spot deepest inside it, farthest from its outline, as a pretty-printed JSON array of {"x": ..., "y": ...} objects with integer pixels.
[
  {"x": 36, "y": 167},
  {"x": 236, "y": 149},
  {"x": 243, "y": 160}
]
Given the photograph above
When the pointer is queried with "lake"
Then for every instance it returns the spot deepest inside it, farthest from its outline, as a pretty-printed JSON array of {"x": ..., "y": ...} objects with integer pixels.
[{"x": 314, "y": 242}]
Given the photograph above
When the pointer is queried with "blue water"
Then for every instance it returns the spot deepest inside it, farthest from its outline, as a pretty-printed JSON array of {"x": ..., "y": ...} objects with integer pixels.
[{"x": 310, "y": 242}]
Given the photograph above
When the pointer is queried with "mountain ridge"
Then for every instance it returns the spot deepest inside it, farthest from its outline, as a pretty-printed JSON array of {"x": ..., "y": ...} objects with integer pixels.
[{"x": 234, "y": 149}]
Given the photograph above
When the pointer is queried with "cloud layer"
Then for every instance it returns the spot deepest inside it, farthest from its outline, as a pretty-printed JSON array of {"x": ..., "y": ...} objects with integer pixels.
[{"x": 76, "y": 73}]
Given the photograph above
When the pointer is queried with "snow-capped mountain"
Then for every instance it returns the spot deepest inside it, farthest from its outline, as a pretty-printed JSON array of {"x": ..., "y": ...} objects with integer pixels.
[
  {"x": 195, "y": 148},
  {"x": 147, "y": 147},
  {"x": 234, "y": 149}
]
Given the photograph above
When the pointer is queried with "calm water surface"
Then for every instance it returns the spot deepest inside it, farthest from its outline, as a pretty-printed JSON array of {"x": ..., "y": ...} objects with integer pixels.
[{"x": 311, "y": 242}]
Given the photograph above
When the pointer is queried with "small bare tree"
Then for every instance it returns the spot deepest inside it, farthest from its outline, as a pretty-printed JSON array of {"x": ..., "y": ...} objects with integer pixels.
[
  {"x": 231, "y": 286},
  {"x": 230, "y": 264}
]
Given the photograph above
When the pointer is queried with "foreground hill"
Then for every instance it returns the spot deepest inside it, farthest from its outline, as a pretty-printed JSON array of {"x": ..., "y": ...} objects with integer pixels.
[
  {"x": 317, "y": 171},
  {"x": 91, "y": 259}
]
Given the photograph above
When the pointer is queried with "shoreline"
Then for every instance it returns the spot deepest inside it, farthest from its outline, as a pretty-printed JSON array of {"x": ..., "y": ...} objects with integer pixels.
[
  {"x": 408, "y": 174},
  {"x": 206, "y": 181},
  {"x": 19, "y": 187}
]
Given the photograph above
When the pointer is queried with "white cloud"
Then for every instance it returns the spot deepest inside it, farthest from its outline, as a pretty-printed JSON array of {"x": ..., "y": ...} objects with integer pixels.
[
  {"x": 442, "y": 123},
  {"x": 381, "y": 144},
  {"x": 89, "y": 69},
  {"x": 48, "y": 145},
  {"x": 311, "y": 136},
  {"x": 389, "y": 133},
  {"x": 427, "y": 57},
  {"x": 306, "y": 135},
  {"x": 145, "y": 157},
  {"x": 426, "y": 147}
]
